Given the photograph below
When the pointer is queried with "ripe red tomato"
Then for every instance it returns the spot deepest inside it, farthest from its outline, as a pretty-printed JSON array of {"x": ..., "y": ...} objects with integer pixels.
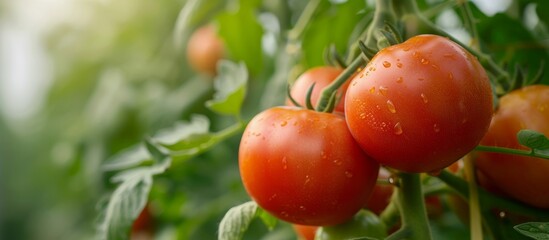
[
  {"x": 420, "y": 105},
  {"x": 305, "y": 232},
  {"x": 205, "y": 49},
  {"x": 522, "y": 178},
  {"x": 304, "y": 167},
  {"x": 322, "y": 77}
]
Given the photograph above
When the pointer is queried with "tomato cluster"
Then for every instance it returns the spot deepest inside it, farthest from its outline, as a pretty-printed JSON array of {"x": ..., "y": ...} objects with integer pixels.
[{"x": 415, "y": 107}]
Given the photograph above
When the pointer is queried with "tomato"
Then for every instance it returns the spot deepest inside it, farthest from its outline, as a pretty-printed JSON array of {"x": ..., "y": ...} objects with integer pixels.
[
  {"x": 363, "y": 224},
  {"x": 381, "y": 194},
  {"x": 522, "y": 178},
  {"x": 420, "y": 105},
  {"x": 305, "y": 232},
  {"x": 321, "y": 77},
  {"x": 205, "y": 49},
  {"x": 304, "y": 167}
]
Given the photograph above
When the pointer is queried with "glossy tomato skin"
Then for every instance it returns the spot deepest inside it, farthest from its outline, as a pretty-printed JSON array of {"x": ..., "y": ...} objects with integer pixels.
[
  {"x": 320, "y": 76},
  {"x": 205, "y": 49},
  {"x": 421, "y": 105},
  {"x": 304, "y": 167},
  {"x": 522, "y": 178}
]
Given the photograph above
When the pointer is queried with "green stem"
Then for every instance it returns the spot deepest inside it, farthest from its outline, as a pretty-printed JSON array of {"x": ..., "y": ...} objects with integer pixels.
[
  {"x": 525, "y": 153},
  {"x": 338, "y": 82},
  {"x": 469, "y": 22},
  {"x": 303, "y": 20},
  {"x": 489, "y": 200},
  {"x": 475, "y": 223},
  {"x": 384, "y": 13},
  {"x": 412, "y": 208}
]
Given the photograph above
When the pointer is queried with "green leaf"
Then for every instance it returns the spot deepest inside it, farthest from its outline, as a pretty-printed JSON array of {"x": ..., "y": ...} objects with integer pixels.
[
  {"x": 157, "y": 152},
  {"x": 230, "y": 86},
  {"x": 269, "y": 220},
  {"x": 535, "y": 230},
  {"x": 125, "y": 204},
  {"x": 236, "y": 221},
  {"x": 242, "y": 34},
  {"x": 129, "y": 157},
  {"x": 533, "y": 139},
  {"x": 198, "y": 124}
]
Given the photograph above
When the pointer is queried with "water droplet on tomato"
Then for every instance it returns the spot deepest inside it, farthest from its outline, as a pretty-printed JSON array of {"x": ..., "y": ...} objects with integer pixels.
[
  {"x": 391, "y": 106},
  {"x": 307, "y": 179},
  {"x": 436, "y": 127},
  {"x": 415, "y": 54},
  {"x": 323, "y": 155},
  {"x": 359, "y": 69},
  {"x": 283, "y": 123},
  {"x": 400, "y": 80},
  {"x": 398, "y": 128},
  {"x": 435, "y": 66},
  {"x": 362, "y": 75},
  {"x": 272, "y": 197},
  {"x": 421, "y": 79},
  {"x": 348, "y": 174},
  {"x": 362, "y": 115},
  {"x": 424, "y": 61},
  {"x": 386, "y": 64},
  {"x": 450, "y": 76},
  {"x": 285, "y": 214},
  {"x": 392, "y": 179},
  {"x": 372, "y": 89},
  {"x": 502, "y": 214},
  {"x": 302, "y": 208},
  {"x": 449, "y": 55},
  {"x": 284, "y": 163},
  {"x": 399, "y": 65},
  {"x": 424, "y": 98},
  {"x": 337, "y": 162},
  {"x": 383, "y": 90}
]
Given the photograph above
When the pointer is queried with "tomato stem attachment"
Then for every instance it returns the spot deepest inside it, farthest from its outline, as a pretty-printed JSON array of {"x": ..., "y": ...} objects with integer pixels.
[
  {"x": 411, "y": 204},
  {"x": 328, "y": 91},
  {"x": 289, "y": 94},
  {"x": 308, "y": 102}
]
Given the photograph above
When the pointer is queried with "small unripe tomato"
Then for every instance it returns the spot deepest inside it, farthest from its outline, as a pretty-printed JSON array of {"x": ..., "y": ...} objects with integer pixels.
[{"x": 205, "y": 49}]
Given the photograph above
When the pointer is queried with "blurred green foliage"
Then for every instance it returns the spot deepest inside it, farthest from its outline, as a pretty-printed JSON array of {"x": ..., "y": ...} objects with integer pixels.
[{"x": 120, "y": 75}]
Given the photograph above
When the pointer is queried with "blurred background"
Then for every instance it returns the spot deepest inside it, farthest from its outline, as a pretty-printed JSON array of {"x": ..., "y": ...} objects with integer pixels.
[{"x": 80, "y": 80}]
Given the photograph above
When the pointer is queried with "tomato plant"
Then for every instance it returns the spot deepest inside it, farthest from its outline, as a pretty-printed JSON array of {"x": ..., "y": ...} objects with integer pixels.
[
  {"x": 124, "y": 120},
  {"x": 421, "y": 105},
  {"x": 520, "y": 177},
  {"x": 320, "y": 77},
  {"x": 204, "y": 49},
  {"x": 304, "y": 166}
]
